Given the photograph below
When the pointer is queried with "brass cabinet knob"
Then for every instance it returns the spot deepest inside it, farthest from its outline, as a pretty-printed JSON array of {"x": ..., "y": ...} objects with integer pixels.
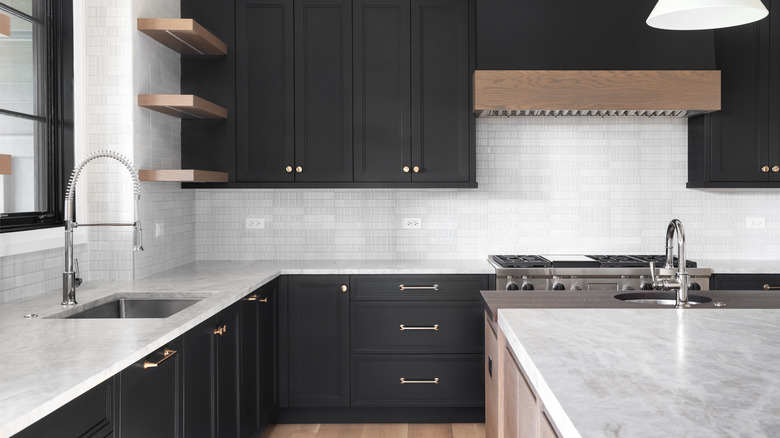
[
  {"x": 416, "y": 169},
  {"x": 765, "y": 169},
  {"x": 343, "y": 287},
  {"x": 775, "y": 169},
  {"x": 288, "y": 169},
  {"x": 406, "y": 169},
  {"x": 220, "y": 330},
  {"x": 299, "y": 169}
]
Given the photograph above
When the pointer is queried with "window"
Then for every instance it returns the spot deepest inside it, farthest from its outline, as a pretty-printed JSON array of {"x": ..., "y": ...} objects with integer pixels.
[{"x": 36, "y": 112}]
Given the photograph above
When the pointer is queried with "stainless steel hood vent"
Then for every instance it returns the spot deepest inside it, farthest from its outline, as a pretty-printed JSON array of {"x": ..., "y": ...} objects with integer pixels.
[{"x": 642, "y": 93}]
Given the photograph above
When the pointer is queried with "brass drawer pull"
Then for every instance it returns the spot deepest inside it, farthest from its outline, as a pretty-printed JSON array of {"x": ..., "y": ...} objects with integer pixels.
[
  {"x": 263, "y": 300},
  {"x": 254, "y": 297},
  {"x": 434, "y": 287},
  {"x": 220, "y": 330},
  {"x": 434, "y": 327},
  {"x": 166, "y": 354},
  {"x": 768, "y": 287},
  {"x": 435, "y": 381}
]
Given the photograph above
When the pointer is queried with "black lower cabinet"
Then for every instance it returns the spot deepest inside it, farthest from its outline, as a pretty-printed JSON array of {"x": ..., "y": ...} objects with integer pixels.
[
  {"x": 227, "y": 347},
  {"x": 258, "y": 360},
  {"x": 318, "y": 341},
  {"x": 89, "y": 416},
  {"x": 149, "y": 395},
  {"x": 767, "y": 282},
  {"x": 199, "y": 380}
]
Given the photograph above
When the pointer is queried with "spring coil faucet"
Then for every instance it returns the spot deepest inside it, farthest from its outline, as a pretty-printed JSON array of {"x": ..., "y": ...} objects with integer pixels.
[{"x": 69, "y": 280}]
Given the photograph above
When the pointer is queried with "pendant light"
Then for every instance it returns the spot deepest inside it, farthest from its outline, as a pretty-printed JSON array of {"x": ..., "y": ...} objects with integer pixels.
[
  {"x": 705, "y": 14},
  {"x": 5, "y": 26}
]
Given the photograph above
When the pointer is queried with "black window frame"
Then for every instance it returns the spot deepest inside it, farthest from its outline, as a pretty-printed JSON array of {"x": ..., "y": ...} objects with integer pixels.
[{"x": 60, "y": 114}]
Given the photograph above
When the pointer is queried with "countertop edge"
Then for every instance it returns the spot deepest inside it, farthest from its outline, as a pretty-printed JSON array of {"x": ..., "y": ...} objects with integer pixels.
[{"x": 557, "y": 415}]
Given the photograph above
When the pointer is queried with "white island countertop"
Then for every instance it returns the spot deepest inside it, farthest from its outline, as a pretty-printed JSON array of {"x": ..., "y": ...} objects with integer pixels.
[
  {"x": 652, "y": 372},
  {"x": 47, "y": 362}
]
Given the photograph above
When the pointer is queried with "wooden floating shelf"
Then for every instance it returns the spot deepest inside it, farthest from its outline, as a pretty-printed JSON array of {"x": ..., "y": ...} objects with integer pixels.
[
  {"x": 183, "y": 35},
  {"x": 182, "y": 175},
  {"x": 5, "y": 26},
  {"x": 5, "y": 164},
  {"x": 185, "y": 106}
]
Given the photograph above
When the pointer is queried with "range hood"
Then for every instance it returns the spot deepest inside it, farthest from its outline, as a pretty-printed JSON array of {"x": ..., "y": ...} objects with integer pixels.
[{"x": 669, "y": 93}]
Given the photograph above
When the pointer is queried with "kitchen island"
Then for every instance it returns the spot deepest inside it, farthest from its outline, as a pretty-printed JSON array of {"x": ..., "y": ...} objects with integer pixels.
[{"x": 648, "y": 372}]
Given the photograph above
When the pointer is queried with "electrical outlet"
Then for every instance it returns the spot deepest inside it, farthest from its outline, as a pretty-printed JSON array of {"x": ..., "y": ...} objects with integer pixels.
[
  {"x": 159, "y": 229},
  {"x": 412, "y": 223},
  {"x": 755, "y": 222},
  {"x": 255, "y": 223}
]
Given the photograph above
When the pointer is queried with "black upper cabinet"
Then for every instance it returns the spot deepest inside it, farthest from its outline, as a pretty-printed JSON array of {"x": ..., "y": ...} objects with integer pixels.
[
  {"x": 583, "y": 35},
  {"x": 318, "y": 341},
  {"x": 441, "y": 123},
  {"x": 382, "y": 86},
  {"x": 739, "y": 146},
  {"x": 264, "y": 76},
  {"x": 323, "y": 90}
]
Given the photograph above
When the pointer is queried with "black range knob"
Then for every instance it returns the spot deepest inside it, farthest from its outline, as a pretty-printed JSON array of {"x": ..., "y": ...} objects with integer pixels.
[
  {"x": 694, "y": 286},
  {"x": 527, "y": 286},
  {"x": 512, "y": 286},
  {"x": 559, "y": 286},
  {"x": 646, "y": 286}
]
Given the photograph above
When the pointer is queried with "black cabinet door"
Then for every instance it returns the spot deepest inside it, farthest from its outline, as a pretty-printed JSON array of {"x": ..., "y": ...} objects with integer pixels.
[
  {"x": 227, "y": 343},
  {"x": 441, "y": 116},
  {"x": 323, "y": 90},
  {"x": 90, "y": 415},
  {"x": 149, "y": 396},
  {"x": 740, "y": 129},
  {"x": 318, "y": 341},
  {"x": 264, "y": 79},
  {"x": 258, "y": 359},
  {"x": 198, "y": 377},
  {"x": 381, "y": 72}
]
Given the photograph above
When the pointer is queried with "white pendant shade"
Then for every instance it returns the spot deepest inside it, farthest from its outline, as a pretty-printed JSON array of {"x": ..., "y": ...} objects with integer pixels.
[{"x": 705, "y": 14}]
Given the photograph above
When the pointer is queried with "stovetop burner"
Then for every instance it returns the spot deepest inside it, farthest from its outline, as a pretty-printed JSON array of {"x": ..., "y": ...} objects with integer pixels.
[
  {"x": 590, "y": 261},
  {"x": 522, "y": 261}
]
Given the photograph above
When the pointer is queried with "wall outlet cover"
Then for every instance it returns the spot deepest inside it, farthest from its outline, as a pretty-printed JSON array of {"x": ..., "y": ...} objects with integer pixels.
[
  {"x": 254, "y": 223},
  {"x": 412, "y": 223},
  {"x": 755, "y": 222},
  {"x": 159, "y": 229}
]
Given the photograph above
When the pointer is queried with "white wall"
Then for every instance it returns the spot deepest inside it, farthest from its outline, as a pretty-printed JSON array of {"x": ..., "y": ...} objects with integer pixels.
[{"x": 546, "y": 185}]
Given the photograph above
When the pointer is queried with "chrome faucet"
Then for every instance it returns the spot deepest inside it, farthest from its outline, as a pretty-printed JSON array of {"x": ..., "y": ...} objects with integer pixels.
[
  {"x": 69, "y": 280},
  {"x": 678, "y": 281}
]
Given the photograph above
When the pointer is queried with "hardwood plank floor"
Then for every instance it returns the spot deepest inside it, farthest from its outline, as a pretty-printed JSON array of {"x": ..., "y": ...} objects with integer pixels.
[{"x": 376, "y": 430}]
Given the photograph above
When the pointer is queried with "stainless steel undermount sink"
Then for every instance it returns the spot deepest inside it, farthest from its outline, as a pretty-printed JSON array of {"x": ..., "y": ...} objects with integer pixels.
[
  {"x": 663, "y": 298},
  {"x": 133, "y": 308}
]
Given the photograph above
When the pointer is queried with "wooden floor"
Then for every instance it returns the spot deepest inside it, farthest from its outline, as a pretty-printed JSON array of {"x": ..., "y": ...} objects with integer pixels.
[{"x": 397, "y": 430}]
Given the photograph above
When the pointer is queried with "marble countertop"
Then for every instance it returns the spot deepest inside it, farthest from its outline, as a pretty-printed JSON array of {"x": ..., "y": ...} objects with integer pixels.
[
  {"x": 48, "y": 362},
  {"x": 652, "y": 372}
]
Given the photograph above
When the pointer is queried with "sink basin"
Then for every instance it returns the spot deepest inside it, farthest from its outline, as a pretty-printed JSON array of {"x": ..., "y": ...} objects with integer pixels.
[
  {"x": 663, "y": 298},
  {"x": 135, "y": 308}
]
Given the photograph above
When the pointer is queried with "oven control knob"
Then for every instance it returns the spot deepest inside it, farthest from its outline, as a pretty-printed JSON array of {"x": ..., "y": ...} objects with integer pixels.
[
  {"x": 576, "y": 287},
  {"x": 512, "y": 286},
  {"x": 646, "y": 286},
  {"x": 559, "y": 286},
  {"x": 527, "y": 286},
  {"x": 694, "y": 286}
]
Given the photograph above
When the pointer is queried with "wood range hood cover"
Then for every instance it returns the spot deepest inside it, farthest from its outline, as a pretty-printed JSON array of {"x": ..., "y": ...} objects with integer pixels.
[{"x": 671, "y": 93}]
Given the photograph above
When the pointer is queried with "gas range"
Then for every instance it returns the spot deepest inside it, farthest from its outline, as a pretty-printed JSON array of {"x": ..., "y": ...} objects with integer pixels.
[{"x": 570, "y": 272}]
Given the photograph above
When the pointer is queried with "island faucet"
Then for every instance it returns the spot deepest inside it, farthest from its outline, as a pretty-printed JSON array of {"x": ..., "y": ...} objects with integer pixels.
[
  {"x": 678, "y": 281},
  {"x": 69, "y": 280}
]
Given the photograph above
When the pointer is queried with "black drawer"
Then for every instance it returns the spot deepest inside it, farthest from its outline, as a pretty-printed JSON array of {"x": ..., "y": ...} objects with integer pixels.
[
  {"x": 745, "y": 281},
  {"x": 376, "y": 380},
  {"x": 376, "y": 327},
  {"x": 417, "y": 287}
]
